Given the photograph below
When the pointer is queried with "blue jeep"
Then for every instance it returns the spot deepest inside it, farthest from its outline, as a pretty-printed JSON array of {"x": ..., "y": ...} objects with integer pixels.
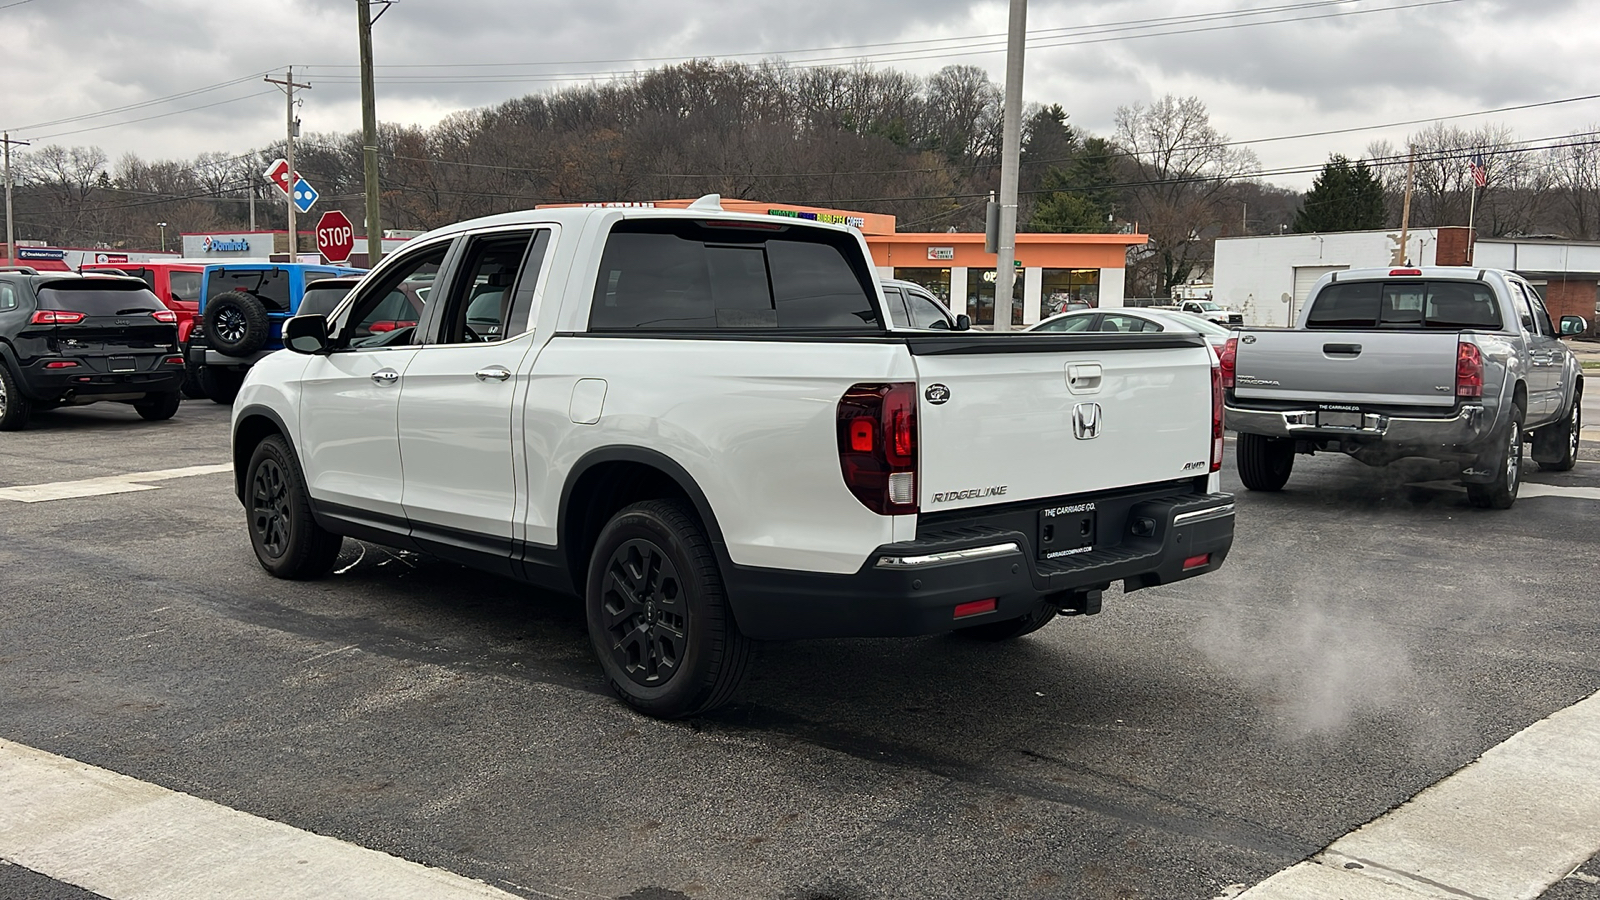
[{"x": 242, "y": 310}]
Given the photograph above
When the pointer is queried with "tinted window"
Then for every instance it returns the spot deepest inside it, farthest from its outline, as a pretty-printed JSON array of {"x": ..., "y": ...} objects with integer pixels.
[
  {"x": 320, "y": 301},
  {"x": 925, "y": 312},
  {"x": 387, "y": 311},
  {"x": 98, "y": 299},
  {"x": 184, "y": 286},
  {"x": 480, "y": 308},
  {"x": 658, "y": 275},
  {"x": 1541, "y": 315},
  {"x": 1067, "y": 323},
  {"x": 897, "y": 306},
  {"x": 1408, "y": 304},
  {"x": 1123, "y": 322},
  {"x": 270, "y": 285}
]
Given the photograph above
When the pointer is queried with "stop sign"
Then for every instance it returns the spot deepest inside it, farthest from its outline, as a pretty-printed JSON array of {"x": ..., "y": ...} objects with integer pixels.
[{"x": 335, "y": 236}]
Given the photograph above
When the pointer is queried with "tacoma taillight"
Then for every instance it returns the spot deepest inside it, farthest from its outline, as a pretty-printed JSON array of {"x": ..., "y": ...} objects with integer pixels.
[
  {"x": 165, "y": 315},
  {"x": 1226, "y": 360},
  {"x": 1216, "y": 416},
  {"x": 1469, "y": 370},
  {"x": 878, "y": 446},
  {"x": 56, "y": 317}
]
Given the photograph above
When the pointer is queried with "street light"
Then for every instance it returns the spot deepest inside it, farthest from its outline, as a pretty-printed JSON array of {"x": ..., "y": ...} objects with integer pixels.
[{"x": 163, "y": 227}]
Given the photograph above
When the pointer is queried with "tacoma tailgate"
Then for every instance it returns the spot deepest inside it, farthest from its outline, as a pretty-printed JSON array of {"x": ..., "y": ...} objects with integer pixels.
[
  {"x": 1005, "y": 418},
  {"x": 1405, "y": 368}
]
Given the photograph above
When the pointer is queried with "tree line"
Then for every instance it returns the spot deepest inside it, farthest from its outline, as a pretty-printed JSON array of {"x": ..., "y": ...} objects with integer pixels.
[{"x": 924, "y": 149}]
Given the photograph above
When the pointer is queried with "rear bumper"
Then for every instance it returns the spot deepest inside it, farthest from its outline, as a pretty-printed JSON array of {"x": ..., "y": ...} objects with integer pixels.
[
  {"x": 1463, "y": 432},
  {"x": 85, "y": 382},
  {"x": 914, "y": 587}
]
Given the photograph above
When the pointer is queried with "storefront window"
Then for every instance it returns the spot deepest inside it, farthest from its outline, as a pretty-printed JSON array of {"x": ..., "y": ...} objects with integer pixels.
[
  {"x": 1062, "y": 290},
  {"x": 937, "y": 281},
  {"x": 980, "y": 297}
]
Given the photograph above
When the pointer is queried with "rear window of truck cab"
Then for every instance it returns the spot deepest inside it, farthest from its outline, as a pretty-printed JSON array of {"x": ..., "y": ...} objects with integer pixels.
[
  {"x": 1405, "y": 305},
  {"x": 98, "y": 297},
  {"x": 674, "y": 274}
]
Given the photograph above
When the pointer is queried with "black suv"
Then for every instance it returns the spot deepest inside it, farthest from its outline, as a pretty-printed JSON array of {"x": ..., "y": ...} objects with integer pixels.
[{"x": 76, "y": 339}]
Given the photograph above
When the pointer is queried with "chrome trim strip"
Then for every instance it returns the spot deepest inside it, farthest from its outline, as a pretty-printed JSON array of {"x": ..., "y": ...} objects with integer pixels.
[
  {"x": 898, "y": 562},
  {"x": 1203, "y": 515}
]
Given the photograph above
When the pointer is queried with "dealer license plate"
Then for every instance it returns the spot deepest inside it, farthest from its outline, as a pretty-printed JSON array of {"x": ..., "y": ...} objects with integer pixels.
[
  {"x": 123, "y": 364},
  {"x": 1326, "y": 419},
  {"x": 1067, "y": 530}
]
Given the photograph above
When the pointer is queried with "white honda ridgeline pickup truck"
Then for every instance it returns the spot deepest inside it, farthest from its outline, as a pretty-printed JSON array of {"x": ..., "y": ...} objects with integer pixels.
[{"x": 703, "y": 424}]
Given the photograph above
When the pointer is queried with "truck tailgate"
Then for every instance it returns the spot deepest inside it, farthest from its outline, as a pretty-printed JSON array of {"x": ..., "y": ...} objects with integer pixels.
[
  {"x": 1405, "y": 368},
  {"x": 1019, "y": 417}
]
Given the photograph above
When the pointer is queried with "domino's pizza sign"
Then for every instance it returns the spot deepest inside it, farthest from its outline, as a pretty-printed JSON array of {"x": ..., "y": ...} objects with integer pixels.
[{"x": 224, "y": 245}]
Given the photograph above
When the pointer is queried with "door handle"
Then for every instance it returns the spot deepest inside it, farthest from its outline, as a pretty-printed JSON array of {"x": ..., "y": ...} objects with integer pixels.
[
  {"x": 386, "y": 376},
  {"x": 494, "y": 373},
  {"x": 1342, "y": 349}
]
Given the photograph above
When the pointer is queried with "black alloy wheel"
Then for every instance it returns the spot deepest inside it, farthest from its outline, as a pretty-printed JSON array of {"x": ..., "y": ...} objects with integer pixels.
[
  {"x": 645, "y": 615},
  {"x": 1501, "y": 493},
  {"x": 285, "y": 536},
  {"x": 14, "y": 408},
  {"x": 658, "y": 613}
]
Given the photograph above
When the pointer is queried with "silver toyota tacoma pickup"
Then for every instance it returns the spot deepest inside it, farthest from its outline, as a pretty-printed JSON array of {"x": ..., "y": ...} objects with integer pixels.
[{"x": 1448, "y": 363}]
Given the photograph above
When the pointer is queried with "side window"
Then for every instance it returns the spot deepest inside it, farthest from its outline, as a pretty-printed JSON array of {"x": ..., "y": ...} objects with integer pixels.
[
  {"x": 387, "y": 312},
  {"x": 1125, "y": 323},
  {"x": 1541, "y": 316},
  {"x": 664, "y": 274},
  {"x": 1067, "y": 324},
  {"x": 895, "y": 300},
  {"x": 8, "y": 297},
  {"x": 1519, "y": 302},
  {"x": 480, "y": 307},
  {"x": 925, "y": 313}
]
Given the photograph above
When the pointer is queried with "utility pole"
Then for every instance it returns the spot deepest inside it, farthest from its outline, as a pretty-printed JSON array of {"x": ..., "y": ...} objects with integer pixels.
[
  {"x": 288, "y": 85},
  {"x": 369, "y": 132},
  {"x": 11, "y": 237},
  {"x": 1010, "y": 156},
  {"x": 1405, "y": 207}
]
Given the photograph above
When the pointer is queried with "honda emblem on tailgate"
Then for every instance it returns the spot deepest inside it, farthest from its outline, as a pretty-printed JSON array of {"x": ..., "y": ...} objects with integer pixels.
[{"x": 1086, "y": 421}]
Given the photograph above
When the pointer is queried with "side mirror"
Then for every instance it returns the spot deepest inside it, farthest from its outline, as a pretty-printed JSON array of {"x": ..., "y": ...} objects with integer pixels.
[
  {"x": 1571, "y": 325},
  {"x": 963, "y": 322},
  {"x": 307, "y": 334}
]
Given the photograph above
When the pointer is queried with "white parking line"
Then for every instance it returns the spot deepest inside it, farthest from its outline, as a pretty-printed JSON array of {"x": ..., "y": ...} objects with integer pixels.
[
  {"x": 128, "y": 840},
  {"x": 105, "y": 484},
  {"x": 1509, "y": 825}
]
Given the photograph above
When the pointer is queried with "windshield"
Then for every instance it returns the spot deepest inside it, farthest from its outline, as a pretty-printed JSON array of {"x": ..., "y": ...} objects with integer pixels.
[
  {"x": 1191, "y": 322},
  {"x": 98, "y": 298}
]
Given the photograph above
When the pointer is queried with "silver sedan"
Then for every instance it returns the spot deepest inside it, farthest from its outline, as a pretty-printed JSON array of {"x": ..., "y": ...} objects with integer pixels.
[{"x": 1134, "y": 320}]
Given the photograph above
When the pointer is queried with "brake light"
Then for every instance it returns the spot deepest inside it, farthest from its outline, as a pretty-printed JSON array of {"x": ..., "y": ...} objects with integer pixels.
[
  {"x": 1405, "y": 271},
  {"x": 1216, "y": 417},
  {"x": 1227, "y": 360},
  {"x": 56, "y": 317},
  {"x": 877, "y": 428},
  {"x": 165, "y": 315},
  {"x": 1469, "y": 370}
]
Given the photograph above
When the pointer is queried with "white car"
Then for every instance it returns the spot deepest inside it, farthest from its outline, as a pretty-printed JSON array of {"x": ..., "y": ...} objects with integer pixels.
[
  {"x": 702, "y": 423},
  {"x": 1210, "y": 310},
  {"x": 1134, "y": 321}
]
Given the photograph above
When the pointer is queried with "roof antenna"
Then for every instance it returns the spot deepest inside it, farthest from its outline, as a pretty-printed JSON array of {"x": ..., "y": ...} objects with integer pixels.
[{"x": 709, "y": 201}]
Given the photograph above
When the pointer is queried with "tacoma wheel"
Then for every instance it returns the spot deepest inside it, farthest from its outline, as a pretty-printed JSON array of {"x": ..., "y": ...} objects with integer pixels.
[
  {"x": 159, "y": 407},
  {"x": 287, "y": 540},
  {"x": 658, "y": 613},
  {"x": 1265, "y": 463},
  {"x": 14, "y": 408},
  {"x": 1555, "y": 447},
  {"x": 1502, "y": 491}
]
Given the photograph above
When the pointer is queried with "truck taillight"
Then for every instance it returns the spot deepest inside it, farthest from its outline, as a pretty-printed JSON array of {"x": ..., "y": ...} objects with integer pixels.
[
  {"x": 877, "y": 427},
  {"x": 1216, "y": 416},
  {"x": 1226, "y": 360},
  {"x": 1469, "y": 370}
]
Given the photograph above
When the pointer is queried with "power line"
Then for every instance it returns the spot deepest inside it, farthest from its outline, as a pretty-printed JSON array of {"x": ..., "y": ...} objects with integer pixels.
[
  {"x": 141, "y": 104},
  {"x": 176, "y": 112}
]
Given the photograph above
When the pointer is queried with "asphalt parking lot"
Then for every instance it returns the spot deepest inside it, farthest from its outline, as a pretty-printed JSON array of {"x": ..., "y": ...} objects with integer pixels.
[{"x": 1370, "y": 635}]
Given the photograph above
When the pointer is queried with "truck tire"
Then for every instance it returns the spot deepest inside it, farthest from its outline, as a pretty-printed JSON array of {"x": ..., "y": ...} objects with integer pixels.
[
  {"x": 158, "y": 407},
  {"x": 1502, "y": 491},
  {"x": 14, "y": 408},
  {"x": 1555, "y": 447},
  {"x": 285, "y": 536},
  {"x": 1008, "y": 629},
  {"x": 658, "y": 613},
  {"x": 1265, "y": 463},
  {"x": 237, "y": 323},
  {"x": 221, "y": 385}
]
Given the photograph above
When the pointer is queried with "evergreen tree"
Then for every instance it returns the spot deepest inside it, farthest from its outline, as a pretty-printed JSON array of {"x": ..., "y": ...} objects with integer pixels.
[
  {"x": 1345, "y": 197},
  {"x": 1080, "y": 193}
]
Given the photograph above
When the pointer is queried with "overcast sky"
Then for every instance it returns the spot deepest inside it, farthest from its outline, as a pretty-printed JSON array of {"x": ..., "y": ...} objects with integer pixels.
[{"x": 66, "y": 60}]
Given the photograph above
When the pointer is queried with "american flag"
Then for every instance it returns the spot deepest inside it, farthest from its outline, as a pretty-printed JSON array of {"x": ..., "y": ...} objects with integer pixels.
[{"x": 1480, "y": 171}]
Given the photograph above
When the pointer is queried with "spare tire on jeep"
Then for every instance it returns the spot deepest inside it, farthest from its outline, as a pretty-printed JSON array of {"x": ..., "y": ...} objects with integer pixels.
[{"x": 236, "y": 323}]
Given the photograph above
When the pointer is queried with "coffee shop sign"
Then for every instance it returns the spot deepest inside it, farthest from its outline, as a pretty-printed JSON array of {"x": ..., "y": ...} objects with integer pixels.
[{"x": 830, "y": 218}]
